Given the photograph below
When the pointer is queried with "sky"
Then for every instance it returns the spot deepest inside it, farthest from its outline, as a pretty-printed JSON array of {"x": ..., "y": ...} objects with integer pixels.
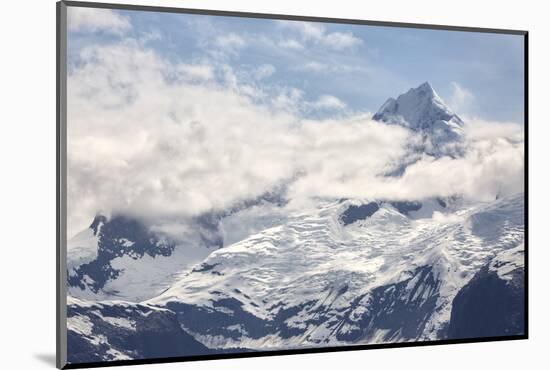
[
  {"x": 477, "y": 74},
  {"x": 171, "y": 116}
]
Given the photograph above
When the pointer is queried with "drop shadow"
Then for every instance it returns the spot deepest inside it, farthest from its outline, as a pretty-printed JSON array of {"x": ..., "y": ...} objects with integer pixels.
[{"x": 46, "y": 358}]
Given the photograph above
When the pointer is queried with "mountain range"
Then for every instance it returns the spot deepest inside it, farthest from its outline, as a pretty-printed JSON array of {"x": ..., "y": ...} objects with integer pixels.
[{"x": 338, "y": 272}]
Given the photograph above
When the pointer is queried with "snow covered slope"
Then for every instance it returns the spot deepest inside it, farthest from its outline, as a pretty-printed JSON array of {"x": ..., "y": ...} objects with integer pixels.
[
  {"x": 122, "y": 258},
  {"x": 314, "y": 281},
  {"x": 423, "y": 111},
  {"x": 386, "y": 276}
]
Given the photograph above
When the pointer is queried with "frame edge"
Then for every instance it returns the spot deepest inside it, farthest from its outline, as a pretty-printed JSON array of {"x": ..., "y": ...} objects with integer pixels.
[
  {"x": 290, "y": 17},
  {"x": 61, "y": 196},
  {"x": 526, "y": 179}
]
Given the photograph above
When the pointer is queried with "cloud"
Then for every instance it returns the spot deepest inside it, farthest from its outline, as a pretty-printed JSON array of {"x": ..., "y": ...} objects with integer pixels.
[
  {"x": 230, "y": 42},
  {"x": 314, "y": 67},
  {"x": 479, "y": 129},
  {"x": 264, "y": 71},
  {"x": 329, "y": 102},
  {"x": 290, "y": 44},
  {"x": 316, "y": 33},
  {"x": 289, "y": 99},
  {"x": 461, "y": 100},
  {"x": 491, "y": 167},
  {"x": 318, "y": 67},
  {"x": 194, "y": 72},
  {"x": 166, "y": 140},
  {"x": 341, "y": 40},
  {"x": 93, "y": 20},
  {"x": 143, "y": 142},
  {"x": 307, "y": 30},
  {"x": 149, "y": 36}
]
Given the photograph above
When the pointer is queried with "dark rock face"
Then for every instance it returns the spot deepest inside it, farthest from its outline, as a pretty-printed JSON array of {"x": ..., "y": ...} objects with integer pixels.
[
  {"x": 153, "y": 334},
  {"x": 228, "y": 319},
  {"x": 488, "y": 306},
  {"x": 356, "y": 213},
  {"x": 404, "y": 207},
  {"x": 401, "y": 310},
  {"x": 79, "y": 350}
]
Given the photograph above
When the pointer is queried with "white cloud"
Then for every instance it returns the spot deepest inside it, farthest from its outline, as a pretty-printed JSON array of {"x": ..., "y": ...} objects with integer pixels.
[
  {"x": 264, "y": 71},
  {"x": 316, "y": 33},
  {"x": 290, "y": 44},
  {"x": 230, "y": 42},
  {"x": 478, "y": 129},
  {"x": 142, "y": 142},
  {"x": 149, "y": 36},
  {"x": 314, "y": 66},
  {"x": 341, "y": 40},
  {"x": 461, "y": 100},
  {"x": 306, "y": 30},
  {"x": 318, "y": 67},
  {"x": 288, "y": 100},
  {"x": 92, "y": 20},
  {"x": 146, "y": 143},
  {"x": 490, "y": 168},
  {"x": 329, "y": 102},
  {"x": 195, "y": 72}
]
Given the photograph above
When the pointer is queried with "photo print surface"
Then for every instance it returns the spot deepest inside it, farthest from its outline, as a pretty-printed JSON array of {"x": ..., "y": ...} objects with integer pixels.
[{"x": 244, "y": 185}]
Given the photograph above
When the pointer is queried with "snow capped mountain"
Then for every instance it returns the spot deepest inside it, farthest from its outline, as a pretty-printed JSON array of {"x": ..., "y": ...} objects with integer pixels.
[
  {"x": 265, "y": 275},
  {"x": 122, "y": 258},
  {"x": 385, "y": 278},
  {"x": 379, "y": 273},
  {"x": 421, "y": 110},
  {"x": 417, "y": 109}
]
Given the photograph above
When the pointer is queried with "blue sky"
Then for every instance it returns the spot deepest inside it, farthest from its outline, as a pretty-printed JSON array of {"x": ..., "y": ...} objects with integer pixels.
[{"x": 477, "y": 74}]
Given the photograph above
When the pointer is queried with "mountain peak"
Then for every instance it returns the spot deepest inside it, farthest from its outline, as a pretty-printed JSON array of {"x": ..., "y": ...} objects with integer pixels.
[
  {"x": 422, "y": 110},
  {"x": 99, "y": 220},
  {"x": 418, "y": 109},
  {"x": 425, "y": 88}
]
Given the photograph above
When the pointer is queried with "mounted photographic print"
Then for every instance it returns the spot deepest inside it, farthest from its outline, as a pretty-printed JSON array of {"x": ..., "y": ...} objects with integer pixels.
[{"x": 239, "y": 184}]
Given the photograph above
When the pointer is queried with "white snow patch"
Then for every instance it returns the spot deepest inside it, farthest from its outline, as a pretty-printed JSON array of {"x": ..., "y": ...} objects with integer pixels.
[
  {"x": 508, "y": 261},
  {"x": 80, "y": 324},
  {"x": 82, "y": 248},
  {"x": 120, "y": 322}
]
